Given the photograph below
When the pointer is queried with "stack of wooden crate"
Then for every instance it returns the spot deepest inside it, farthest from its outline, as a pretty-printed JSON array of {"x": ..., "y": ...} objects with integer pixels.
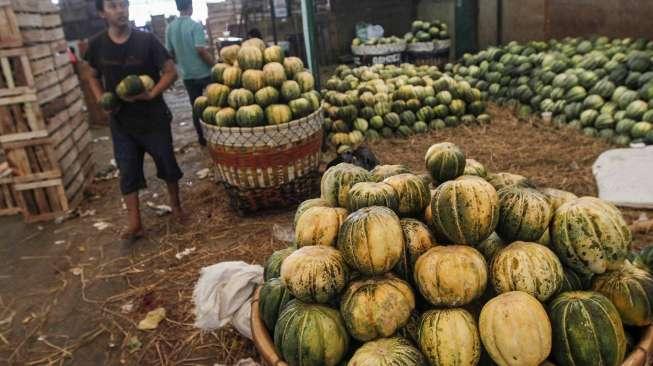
[{"x": 43, "y": 130}]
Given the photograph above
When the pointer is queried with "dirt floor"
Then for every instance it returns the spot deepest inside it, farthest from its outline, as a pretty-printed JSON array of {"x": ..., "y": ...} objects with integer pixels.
[{"x": 71, "y": 294}]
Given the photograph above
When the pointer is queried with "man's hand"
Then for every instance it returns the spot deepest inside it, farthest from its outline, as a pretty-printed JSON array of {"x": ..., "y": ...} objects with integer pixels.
[{"x": 142, "y": 97}]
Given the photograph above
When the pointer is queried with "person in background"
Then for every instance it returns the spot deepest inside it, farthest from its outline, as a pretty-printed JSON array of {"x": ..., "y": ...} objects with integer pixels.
[
  {"x": 142, "y": 123},
  {"x": 186, "y": 42},
  {"x": 254, "y": 33}
]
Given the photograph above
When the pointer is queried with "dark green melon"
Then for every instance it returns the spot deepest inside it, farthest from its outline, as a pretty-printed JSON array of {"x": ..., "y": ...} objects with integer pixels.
[
  {"x": 273, "y": 296},
  {"x": 337, "y": 181},
  {"x": 310, "y": 334},
  {"x": 272, "y": 267},
  {"x": 524, "y": 214},
  {"x": 366, "y": 194},
  {"x": 587, "y": 330},
  {"x": 631, "y": 291},
  {"x": 445, "y": 161}
]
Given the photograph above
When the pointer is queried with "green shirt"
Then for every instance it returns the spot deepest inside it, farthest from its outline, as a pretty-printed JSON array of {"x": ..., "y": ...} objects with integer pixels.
[{"x": 182, "y": 37}]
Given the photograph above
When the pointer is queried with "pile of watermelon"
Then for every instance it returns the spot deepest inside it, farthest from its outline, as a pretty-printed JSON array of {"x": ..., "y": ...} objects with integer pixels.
[
  {"x": 425, "y": 31},
  {"x": 388, "y": 100},
  {"x": 454, "y": 267},
  {"x": 600, "y": 86},
  {"x": 255, "y": 85}
]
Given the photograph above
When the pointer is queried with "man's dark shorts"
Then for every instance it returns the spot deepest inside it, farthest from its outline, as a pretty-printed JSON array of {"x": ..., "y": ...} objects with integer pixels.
[{"x": 129, "y": 150}]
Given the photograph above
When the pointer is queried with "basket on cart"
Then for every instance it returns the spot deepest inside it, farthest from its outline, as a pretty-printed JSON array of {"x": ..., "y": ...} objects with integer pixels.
[{"x": 269, "y": 166}]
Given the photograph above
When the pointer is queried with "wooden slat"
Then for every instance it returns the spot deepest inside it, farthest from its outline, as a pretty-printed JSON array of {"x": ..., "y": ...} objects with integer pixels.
[
  {"x": 9, "y": 32},
  {"x": 33, "y": 185},
  {"x": 49, "y": 94},
  {"x": 29, "y": 20},
  {"x": 21, "y": 136},
  {"x": 38, "y": 51},
  {"x": 42, "y": 65}
]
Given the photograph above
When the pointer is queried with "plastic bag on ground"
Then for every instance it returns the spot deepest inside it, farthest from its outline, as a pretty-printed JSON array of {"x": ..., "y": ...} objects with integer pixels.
[
  {"x": 624, "y": 177},
  {"x": 223, "y": 295}
]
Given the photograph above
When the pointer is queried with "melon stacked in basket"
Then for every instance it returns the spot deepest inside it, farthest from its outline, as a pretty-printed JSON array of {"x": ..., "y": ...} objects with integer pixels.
[
  {"x": 477, "y": 268},
  {"x": 257, "y": 86}
]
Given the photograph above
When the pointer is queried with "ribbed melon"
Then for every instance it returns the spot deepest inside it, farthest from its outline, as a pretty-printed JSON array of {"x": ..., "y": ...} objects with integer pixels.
[
  {"x": 217, "y": 70},
  {"x": 412, "y": 193},
  {"x": 272, "y": 267},
  {"x": 305, "y": 80},
  {"x": 451, "y": 275},
  {"x": 273, "y": 54},
  {"x": 473, "y": 167},
  {"x": 586, "y": 330},
  {"x": 449, "y": 337},
  {"x": 417, "y": 240},
  {"x": 366, "y": 194},
  {"x": 266, "y": 96},
  {"x": 273, "y": 296},
  {"x": 524, "y": 214},
  {"x": 502, "y": 180},
  {"x": 371, "y": 240},
  {"x": 527, "y": 267},
  {"x": 630, "y": 289},
  {"x": 240, "y": 98},
  {"x": 310, "y": 334},
  {"x": 217, "y": 95},
  {"x": 590, "y": 235},
  {"x": 292, "y": 66},
  {"x": 274, "y": 74},
  {"x": 319, "y": 226},
  {"x": 571, "y": 281},
  {"x": 313, "y": 202},
  {"x": 376, "y": 307},
  {"x": 231, "y": 77},
  {"x": 491, "y": 246},
  {"x": 338, "y": 179},
  {"x": 277, "y": 114},
  {"x": 381, "y": 172},
  {"x": 445, "y": 161},
  {"x": 557, "y": 197},
  {"x": 229, "y": 54},
  {"x": 225, "y": 117},
  {"x": 253, "y": 80},
  {"x": 387, "y": 352},
  {"x": 314, "y": 273},
  {"x": 254, "y": 42},
  {"x": 515, "y": 329},
  {"x": 108, "y": 102},
  {"x": 465, "y": 210},
  {"x": 250, "y": 58}
]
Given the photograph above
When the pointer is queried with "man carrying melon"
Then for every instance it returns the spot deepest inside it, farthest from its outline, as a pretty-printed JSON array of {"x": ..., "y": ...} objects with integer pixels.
[
  {"x": 139, "y": 69},
  {"x": 186, "y": 42}
]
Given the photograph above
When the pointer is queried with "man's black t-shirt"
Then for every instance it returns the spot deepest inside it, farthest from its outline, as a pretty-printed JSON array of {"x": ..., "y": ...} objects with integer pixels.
[{"x": 141, "y": 54}]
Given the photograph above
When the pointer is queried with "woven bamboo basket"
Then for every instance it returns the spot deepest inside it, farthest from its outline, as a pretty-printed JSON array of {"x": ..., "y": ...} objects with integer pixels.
[
  {"x": 268, "y": 166},
  {"x": 421, "y": 47},
  {"x": 642, "y": 354}
]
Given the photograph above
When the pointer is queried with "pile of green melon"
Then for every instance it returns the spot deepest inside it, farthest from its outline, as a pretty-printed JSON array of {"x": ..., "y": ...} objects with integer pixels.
[
  {"x": 600, "y": 86},
  {"x": 255, "y": 85},
  {"x": 130, "y": 86},
  {"x": 376, "y": 41},
  {"x": 388, "y": 100},
  {"x": 455, "y": 267},
  {"x": 425, "y": 31}
]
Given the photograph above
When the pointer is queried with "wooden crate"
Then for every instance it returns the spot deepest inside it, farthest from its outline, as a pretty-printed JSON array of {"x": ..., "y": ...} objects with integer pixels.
[
  {"x": 42, "y": 200},
  {"x": 21, "y": 119},
  {"x": 8, "y": 198},
  {"x": 32, "y": 159},
  {"x": 10, "y": 36},
  {"x": 16, "y": 77}
]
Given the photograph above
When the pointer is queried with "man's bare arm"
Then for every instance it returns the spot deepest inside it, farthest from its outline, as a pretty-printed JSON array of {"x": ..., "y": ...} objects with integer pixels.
[
  {"x": 93, "y": 80},
  {"x": 205, "y": 55}
]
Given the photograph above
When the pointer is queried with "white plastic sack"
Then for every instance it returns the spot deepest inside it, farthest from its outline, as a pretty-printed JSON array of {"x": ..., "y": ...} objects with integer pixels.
[
  {"x": 223, "y": 295},
  {"x": 624, "y": 176}
]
